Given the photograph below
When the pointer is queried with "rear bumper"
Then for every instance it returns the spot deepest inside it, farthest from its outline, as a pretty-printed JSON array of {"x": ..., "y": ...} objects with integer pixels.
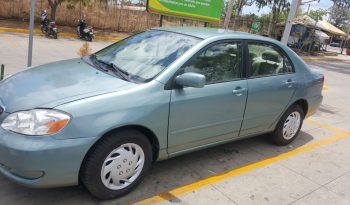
[{"x": 42, "y": 161}]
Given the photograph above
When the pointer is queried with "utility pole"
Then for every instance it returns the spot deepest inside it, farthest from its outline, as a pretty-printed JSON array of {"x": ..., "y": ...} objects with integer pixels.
[
  {"x": 291, "y": 16},
  {"x": 228, "y": 13},
  {"x": 31, "y": 32}
]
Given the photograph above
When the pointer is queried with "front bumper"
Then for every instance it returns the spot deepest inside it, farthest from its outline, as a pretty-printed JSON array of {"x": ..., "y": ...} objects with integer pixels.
[{"x": 42, "y": 161}]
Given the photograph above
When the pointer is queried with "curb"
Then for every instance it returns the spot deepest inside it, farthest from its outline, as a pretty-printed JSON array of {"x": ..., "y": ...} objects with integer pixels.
[
  {"x": 325, "y": 58},
  {"x": 38, "y": 32},
  {"x": 312, "y": 59}
]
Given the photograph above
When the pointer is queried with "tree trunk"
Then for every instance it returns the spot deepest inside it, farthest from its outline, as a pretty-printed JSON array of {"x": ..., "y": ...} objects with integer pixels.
[
  {"x": 53, "y": 12},
  {"x": 53, "y": 5},
  {"x": 271, "y": 21},
  {"x": 228, "y": 14},
  {"x": 238, "y": 13}
]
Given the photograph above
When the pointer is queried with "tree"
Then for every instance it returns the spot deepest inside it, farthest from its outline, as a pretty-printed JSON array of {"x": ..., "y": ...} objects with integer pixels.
[
  {"x": 342, "y": 3},
  {"x": 238, "y": 7},
  {"x": 318, "y": 14},
  {"x": 339, "y": 16},
  {"x": 277, "y": 7},
  {"x": 53, "y": 5}
]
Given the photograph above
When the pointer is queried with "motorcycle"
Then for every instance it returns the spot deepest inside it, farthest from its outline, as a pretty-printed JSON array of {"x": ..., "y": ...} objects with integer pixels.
[
  {"x": 49, "y": 28},
  {"x": 85, "y": 32},
  {"x": 52, "y": 30}
]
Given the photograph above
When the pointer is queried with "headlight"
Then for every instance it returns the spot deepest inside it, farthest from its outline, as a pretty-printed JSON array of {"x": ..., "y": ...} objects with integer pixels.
[{"x": 36, "y": 122}]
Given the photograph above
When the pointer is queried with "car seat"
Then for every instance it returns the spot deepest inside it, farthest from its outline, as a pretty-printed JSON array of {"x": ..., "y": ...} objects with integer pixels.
[{"x": 269, "y": 63}]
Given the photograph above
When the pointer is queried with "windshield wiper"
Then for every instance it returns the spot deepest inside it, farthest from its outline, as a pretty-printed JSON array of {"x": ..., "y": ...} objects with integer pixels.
[
  {"x": 120, "y": 72},
  {"x": 94, "y": 58}
]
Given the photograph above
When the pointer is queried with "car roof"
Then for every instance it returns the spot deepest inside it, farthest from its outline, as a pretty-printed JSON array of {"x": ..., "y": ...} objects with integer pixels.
[{"x": 204, "y": 33}]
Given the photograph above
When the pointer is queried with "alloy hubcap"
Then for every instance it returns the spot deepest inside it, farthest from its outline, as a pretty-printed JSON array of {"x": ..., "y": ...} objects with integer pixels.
[
  {"x": 291, "y": 125},
  {"x": 122, "y": 166}
]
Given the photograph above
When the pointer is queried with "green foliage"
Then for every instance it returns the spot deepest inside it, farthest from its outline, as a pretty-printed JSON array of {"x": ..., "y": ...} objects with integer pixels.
[
  {"x": 318, "y": 14},
  {"x": 346, "y": 28},
  {"x": 342, "y": 3},
  {"x": 281, "y": 17},
  {"x": 278, "y": 8},
  {"x": 339, "y": 16},
  {"x": 265, "y": 18},
  {"x": 251, "y": 16},
  {"x": 239, "y": 4}
]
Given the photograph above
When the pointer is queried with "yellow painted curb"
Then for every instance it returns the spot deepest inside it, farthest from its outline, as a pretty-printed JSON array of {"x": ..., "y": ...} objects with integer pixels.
[
  {"x": 172, "y": 194},
  {"x": 38, "y": 32},
  {"x": 311, "y": 59}
]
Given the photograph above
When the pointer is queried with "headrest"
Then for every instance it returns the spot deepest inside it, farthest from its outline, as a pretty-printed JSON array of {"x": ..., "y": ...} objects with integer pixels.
[{"x": 271, "y": 56}]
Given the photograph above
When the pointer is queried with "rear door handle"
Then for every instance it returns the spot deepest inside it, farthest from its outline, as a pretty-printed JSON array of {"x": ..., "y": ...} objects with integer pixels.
[
  {"x": 239, "y": 91},
  {"x": 289, "y": 83}
]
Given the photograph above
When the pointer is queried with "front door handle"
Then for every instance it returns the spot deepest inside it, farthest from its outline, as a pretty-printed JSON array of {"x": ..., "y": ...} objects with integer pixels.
[{"x": 238, "y": 91}]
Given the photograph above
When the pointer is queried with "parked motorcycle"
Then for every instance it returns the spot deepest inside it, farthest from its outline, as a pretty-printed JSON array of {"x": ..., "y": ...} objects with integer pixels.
[
  {"x": 49, "y": 28},
  {"x": 52, "y": 30},
  {"x": 85, "y": 32}
]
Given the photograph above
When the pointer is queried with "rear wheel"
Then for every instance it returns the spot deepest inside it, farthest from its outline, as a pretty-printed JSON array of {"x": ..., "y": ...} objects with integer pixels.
[
  {"x": 117, "y": 164},
  {"x": 289, "y": 126}
]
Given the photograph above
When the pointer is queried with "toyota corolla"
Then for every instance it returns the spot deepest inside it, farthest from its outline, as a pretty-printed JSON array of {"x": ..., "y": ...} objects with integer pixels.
[{"x": 103, "y": 119}]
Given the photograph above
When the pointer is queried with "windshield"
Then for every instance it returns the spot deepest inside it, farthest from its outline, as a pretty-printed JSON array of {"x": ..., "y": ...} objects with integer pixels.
[{"x": 146, "y": 54}]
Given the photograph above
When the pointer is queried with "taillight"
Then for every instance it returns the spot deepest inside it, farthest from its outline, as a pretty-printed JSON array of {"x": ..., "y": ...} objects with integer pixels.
[{"x": 322, "y": 79}]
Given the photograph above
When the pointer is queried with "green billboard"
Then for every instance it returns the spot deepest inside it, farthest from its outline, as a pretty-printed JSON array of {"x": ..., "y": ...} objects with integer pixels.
[{"x": 202, "y": 10}]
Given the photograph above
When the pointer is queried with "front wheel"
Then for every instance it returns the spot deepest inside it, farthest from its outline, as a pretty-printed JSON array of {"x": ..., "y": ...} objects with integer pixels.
[
  {"x": 289, "y": 126},
  {"x": 117, "y": 164}
]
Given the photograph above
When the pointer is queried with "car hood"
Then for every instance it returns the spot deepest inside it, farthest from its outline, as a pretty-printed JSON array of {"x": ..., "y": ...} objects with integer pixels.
[{"x": 53, "y": 84}]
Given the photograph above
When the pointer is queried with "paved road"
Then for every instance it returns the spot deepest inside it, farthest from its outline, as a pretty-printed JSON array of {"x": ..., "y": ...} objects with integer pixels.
[
  {"x": 14, "y": 50},
  {"x": 314, "y": 169}
]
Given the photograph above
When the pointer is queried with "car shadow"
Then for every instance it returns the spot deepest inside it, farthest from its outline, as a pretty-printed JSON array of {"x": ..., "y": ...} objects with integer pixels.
[{"x": 163, "y": 176}]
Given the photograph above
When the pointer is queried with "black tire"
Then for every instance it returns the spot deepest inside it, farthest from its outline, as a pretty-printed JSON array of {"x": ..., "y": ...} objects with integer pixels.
[
  {"x": 90, "y": 174},
  {"x": 277, "y": 136},
  {"x": 55, "y": 36}
]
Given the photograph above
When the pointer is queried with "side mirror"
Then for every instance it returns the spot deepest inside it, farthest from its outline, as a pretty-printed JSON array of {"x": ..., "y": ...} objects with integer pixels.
[{"x": 194, "y": 80}]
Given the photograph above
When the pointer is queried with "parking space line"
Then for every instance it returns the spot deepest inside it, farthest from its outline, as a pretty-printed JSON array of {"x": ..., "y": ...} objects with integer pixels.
[
  {"x": 327, "y": 127},
  {"x": 325, "y": 87},
  {"x": 172, "y": 194}
]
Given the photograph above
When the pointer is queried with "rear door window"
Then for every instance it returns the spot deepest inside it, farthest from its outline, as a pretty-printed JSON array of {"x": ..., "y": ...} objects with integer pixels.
[{"x": 267, "y": 60}]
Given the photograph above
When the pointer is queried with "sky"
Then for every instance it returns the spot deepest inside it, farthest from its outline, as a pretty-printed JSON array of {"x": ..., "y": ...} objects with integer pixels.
[{"x": 323, "y": 4}]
